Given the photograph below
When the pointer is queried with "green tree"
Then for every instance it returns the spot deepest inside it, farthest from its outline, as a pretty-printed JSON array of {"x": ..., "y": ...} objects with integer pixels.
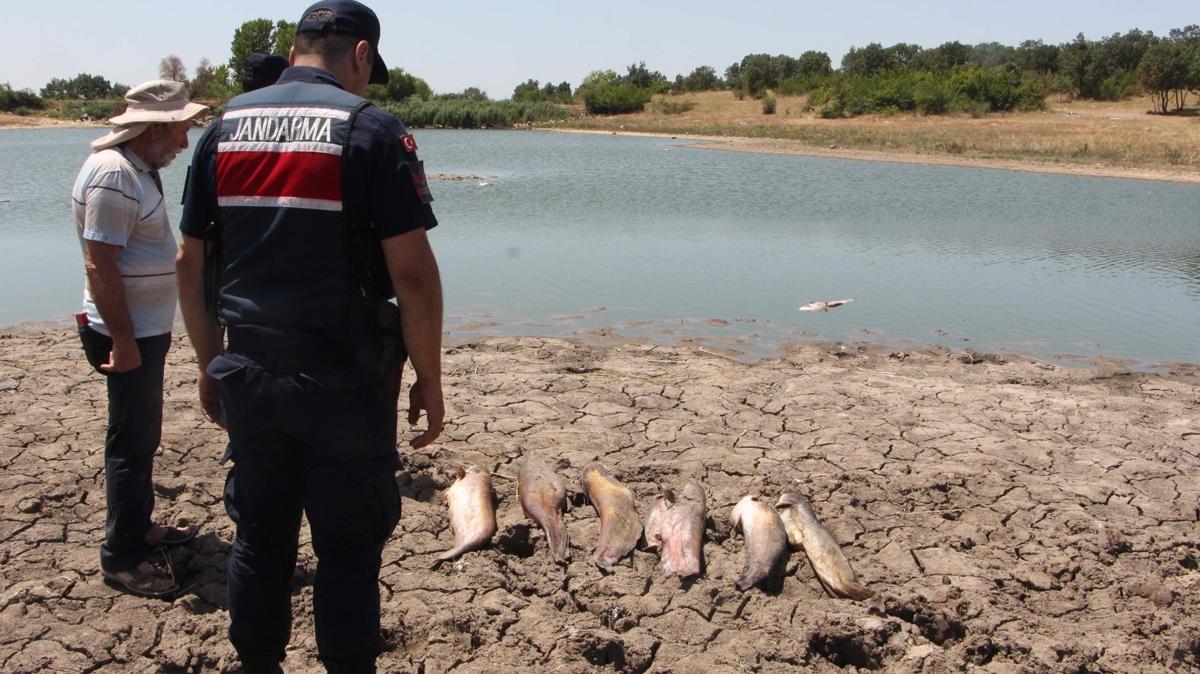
[
  {"x": 906, "y": 54},
  {"x": 1076, "y": 59},
  {"x": 283, "y": 37},
  {"x": 596, "y": 79},
  {"x": 614, "y": 98},
  {"x": 252, "y": 37},
  {"x": 643, "y": 78},
  {"x": 868, "y": 60},
  {"x": 82, "y": 86},
  {"x": 992, "y": 55},
  {"x": 760, "y": 72},
  {"x": 944, "y": 57},
  {"x": 733, "y": 76},
  {"x": 1165, "y": 73},
  {"x": 400, "y": 87},
  {"x": 1037, "y": 56},
  {"x": 703, "y": 78},
  {"x": 557, "y": 93},
  {"x": 474, "y": 94},
  {"x": 814, "y": 64},
  {"x": 529, "y": 91},
  {"x": 13, "y": 100}
]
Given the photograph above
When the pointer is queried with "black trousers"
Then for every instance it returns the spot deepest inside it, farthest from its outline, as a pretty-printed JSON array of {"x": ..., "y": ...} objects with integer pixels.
[
  {"x": 135, "y": 403},
  {"x": 301, "y": 445}
]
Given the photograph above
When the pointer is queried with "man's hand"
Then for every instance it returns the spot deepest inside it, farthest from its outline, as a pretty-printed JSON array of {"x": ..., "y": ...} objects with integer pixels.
[
  {"x": 124, "y": 357},
  {"x": 210, "y": 400},
  {"x": 428, "y": 398}
]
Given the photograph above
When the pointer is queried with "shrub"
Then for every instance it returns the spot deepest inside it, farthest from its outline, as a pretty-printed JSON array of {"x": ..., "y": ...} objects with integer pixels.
[
  {"x": 13, "y": 100},
  {"x": 466, "y": 114},
  {"x": 768, "y": 104},
  {"x": 933, "y": 96},
  {"x": 674, "y": 107},
  {"x": 796, "y": 86},
  {"x": 961, "y": 89},
  {"x": 102, "y": 109},
  {"x": 615, "y": 99}
]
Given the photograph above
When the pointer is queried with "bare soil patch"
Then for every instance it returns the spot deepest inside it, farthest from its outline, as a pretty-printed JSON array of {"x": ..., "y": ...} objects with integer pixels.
[{"x": 1011, "y": 516}]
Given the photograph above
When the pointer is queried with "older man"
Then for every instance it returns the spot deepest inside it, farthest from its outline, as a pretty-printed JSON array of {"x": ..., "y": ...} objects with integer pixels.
[{"x": 128, "y": 311}]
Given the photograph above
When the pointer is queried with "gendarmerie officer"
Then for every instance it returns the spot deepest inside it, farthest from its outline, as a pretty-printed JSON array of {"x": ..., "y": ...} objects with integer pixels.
[{"x": 315, "y": 207}]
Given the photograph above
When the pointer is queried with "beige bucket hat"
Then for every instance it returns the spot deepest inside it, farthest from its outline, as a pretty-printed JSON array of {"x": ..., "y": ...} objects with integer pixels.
[{"x": 154, "y": 102}]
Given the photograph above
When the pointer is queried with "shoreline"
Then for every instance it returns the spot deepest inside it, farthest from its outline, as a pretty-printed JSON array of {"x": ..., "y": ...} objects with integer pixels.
[
  {"x": 1011, "y": 517},
  {"x": 738, "y": 348},
  {"x": 23, "y": 123},
  {"x": 785, "y": 146}
]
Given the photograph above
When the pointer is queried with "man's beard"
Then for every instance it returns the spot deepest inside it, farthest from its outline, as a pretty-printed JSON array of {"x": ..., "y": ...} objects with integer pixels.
[{"x": 162, "y": 152}]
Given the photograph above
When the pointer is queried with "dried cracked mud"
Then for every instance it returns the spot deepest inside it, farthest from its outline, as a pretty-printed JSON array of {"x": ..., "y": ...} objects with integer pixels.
[{"x": 1012, "y": 517}]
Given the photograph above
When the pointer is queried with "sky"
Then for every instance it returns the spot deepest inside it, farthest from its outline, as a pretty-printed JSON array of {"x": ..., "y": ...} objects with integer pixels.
[{"x": 454, "y": 44}]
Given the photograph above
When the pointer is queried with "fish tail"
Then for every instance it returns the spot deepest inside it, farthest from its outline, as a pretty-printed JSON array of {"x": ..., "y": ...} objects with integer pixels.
[
  {"x": 556, "y": 536},
  {"x": 453, "y": 552},
  {"x": 855, "y": 591}
]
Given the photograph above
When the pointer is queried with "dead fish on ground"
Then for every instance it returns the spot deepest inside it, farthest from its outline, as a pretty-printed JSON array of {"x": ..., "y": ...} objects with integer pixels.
[
  {"x": 620, "y": 527},
  {"x": 824, "y": 306},
  {"x": 805, "y": 531},
  {"x": 682, "y": 533},
  {"x": 544, "y": 498},
  {"x": 653, "y": 526},
  {"x": 471, "y": 500},
  {"x": 766, "y": 540}
]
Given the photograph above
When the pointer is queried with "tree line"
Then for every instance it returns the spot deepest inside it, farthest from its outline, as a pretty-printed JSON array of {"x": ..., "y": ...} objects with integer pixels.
[{"x": 950, "y": 77}]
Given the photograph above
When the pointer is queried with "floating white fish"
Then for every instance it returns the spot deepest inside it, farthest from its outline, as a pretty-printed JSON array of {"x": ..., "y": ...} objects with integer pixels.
[{"x": 824, "y": 306}]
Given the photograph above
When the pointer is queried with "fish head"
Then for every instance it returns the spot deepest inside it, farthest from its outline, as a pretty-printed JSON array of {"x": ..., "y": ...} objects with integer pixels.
[
  {"x": 796, "y": 501},
  {"x": 694, "y": 492},
  {"x": 742, "y": 509},
  {"x": 592, "y": 475}
]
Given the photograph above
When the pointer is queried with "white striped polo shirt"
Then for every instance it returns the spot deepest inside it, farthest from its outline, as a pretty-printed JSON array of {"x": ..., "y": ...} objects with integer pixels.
[{"x": 116, "y": 201}]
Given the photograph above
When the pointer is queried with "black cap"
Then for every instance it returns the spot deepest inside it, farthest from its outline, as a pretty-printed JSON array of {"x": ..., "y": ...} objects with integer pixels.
[
  {"x": 262, "y": 70},
  {"x": 349, "y": 18}
]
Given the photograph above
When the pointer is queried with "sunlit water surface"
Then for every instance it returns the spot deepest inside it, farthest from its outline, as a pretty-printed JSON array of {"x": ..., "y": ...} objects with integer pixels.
[{"x": 652, "y": 238}]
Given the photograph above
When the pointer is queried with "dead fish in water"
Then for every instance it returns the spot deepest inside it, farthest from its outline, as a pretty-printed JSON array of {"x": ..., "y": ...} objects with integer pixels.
[
  {"x": 766, "y": 540},
  {"x": 805, "y": 531},
  {"x": 662, "y": 503},
  {"x": 682, "y": 533},
  {"x": 620, "y": 527},
  {"x": 824, "y": 306},
  {"x": 544, "y": 498},
  {"x": 472, "y": 511}
]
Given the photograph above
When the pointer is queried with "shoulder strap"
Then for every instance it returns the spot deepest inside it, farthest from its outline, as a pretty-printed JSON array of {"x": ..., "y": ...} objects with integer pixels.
[
  {"x": 360, "y": 232},
  {"x": 212, "y": 238}
]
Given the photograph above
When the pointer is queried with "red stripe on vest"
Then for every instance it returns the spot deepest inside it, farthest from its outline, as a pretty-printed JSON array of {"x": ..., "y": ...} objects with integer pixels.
[{"x": 302, "y": 175}]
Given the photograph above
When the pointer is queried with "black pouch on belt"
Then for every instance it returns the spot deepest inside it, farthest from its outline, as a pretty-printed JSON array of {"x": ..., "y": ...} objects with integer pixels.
[{"x": 387, "y": 348}]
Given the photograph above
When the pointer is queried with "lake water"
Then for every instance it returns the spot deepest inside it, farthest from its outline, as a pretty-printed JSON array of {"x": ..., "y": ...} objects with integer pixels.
[{"x": 653, "y": 238}]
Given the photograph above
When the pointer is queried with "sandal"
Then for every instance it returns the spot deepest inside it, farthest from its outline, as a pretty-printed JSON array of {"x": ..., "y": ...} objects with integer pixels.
[
  {"x": 174, "y": 536},
  {"x": 141, "y": 583}
]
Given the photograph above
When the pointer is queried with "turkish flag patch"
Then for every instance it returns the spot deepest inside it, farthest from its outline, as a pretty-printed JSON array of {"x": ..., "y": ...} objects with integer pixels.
[{"x": 409, "y": 143}]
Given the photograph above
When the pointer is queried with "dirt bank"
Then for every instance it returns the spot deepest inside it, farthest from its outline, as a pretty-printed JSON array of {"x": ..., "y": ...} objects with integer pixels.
[
  {"x": 1110, "y": 139},
  {"x": 795, "y": 147},
  {"x": 1011, "y": 517}
]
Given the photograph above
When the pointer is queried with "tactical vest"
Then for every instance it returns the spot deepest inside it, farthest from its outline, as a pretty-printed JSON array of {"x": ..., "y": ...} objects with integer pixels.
[{"x": 288, "y": 253}]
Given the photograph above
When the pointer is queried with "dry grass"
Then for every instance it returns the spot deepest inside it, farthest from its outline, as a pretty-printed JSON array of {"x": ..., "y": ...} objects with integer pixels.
[{"x": 1087, "y": 133}]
